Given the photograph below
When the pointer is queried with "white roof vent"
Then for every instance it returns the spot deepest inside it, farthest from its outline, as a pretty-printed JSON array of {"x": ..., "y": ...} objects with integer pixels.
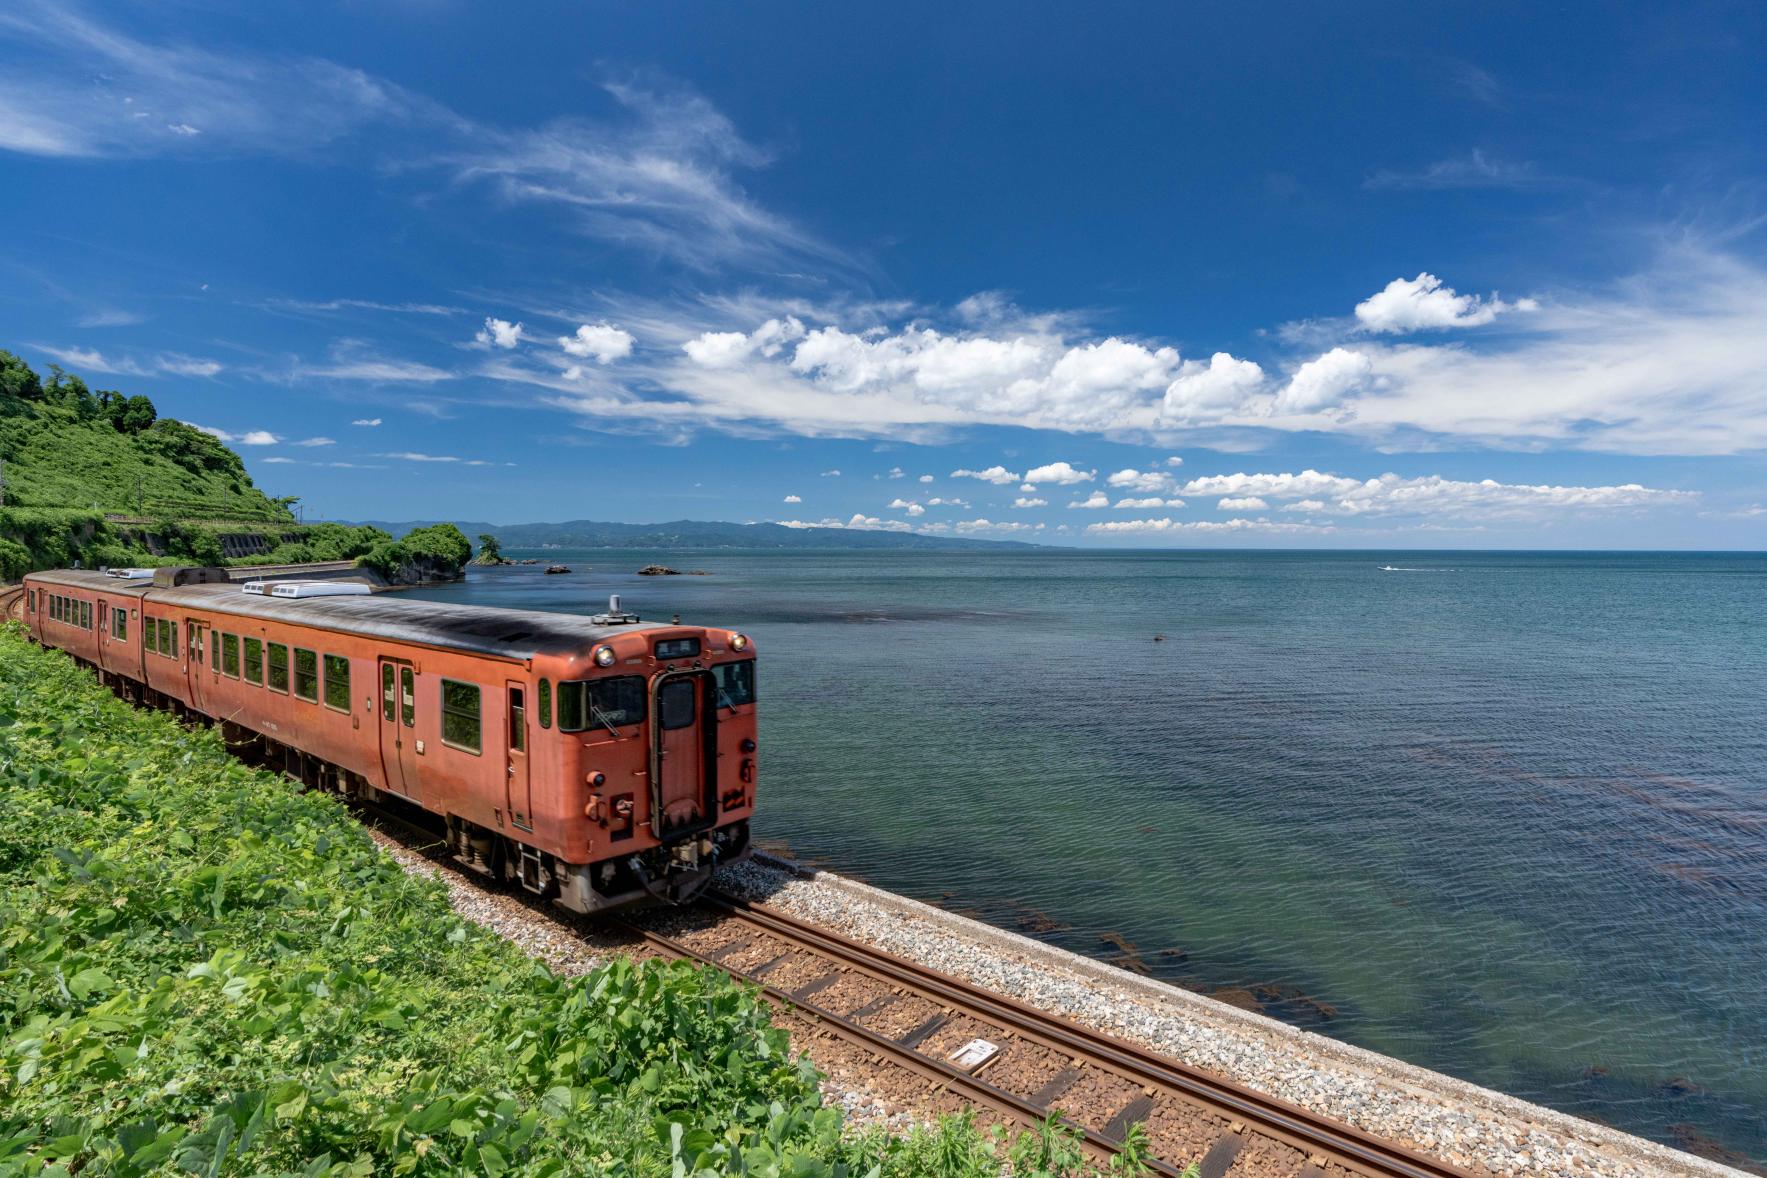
[
  {"x": 306, "y": 588},
  {"x": 128, "y": 574}
]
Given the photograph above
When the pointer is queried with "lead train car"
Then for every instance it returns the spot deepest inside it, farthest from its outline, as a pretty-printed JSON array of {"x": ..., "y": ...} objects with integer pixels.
[{"x": 598, "y": 761}]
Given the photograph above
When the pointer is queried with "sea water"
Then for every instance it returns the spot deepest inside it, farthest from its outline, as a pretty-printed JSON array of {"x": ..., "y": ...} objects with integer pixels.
[{"x": 1500, "y": 815}]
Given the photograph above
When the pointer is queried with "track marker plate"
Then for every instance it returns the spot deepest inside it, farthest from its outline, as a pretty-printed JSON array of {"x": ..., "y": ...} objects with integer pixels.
[{"x": 974, "y": 1054}]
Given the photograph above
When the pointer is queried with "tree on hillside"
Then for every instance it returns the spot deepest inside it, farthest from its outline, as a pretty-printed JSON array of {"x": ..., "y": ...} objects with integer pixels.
[
  {"x": 18, "y": 380},
  {"x": 490, "y": 552}
]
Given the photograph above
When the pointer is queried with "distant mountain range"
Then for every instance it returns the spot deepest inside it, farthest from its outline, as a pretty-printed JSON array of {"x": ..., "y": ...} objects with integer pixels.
[{"x": 687, "y": 533}]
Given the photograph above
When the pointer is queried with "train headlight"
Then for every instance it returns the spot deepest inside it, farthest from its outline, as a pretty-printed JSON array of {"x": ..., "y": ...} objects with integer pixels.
[
  {"x": 604, "y": 656},
  {"x": 739, "y": 642}
]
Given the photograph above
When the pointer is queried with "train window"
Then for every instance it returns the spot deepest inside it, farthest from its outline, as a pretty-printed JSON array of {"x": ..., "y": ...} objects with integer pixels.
[
  {"x": 460, "y": 715},
  {"x": 306, "y": 674},
  {"x": 214, "y": 651},
  {"x": 337, "y": 682},
  {"x": 119, "y": 623},
  {"x": 254, "y": 660},
  {"x": 86, "y": 615},
  {"x": 230, "y": 655},
  {"x": 545, "y": 703},
  {"x": 600, "y": 703},
  {"x": 276, "y": 667},
  {"x": 389, "y": 700},
  {"x": 193, "y": 641},
  {"x": 31, "y": 599},
  {"x": 169, "y": 638},
  {"x": 674, "y": 703},
  {"x": 518, "y": 720},
  {"x": 408, "y": 697},
  {"x": 736, "y": 683}
]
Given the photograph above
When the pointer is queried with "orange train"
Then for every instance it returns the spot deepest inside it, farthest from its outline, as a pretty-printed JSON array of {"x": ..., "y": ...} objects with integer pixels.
[{"x": 598, "y": 760}]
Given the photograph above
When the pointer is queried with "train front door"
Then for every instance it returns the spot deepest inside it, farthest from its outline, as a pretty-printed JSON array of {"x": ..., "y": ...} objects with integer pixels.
[
  {"x": 521, "y": 798},
  {"x": 680, "y": 728},
  {"x": 196, "y": 640},
  {"x": 398, "y": 727}
]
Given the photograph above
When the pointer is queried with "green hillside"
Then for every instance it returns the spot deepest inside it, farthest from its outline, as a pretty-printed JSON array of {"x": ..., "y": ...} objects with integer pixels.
[
  {"x": 97, "y": 477},
  {"x": 66, "y": 445}
]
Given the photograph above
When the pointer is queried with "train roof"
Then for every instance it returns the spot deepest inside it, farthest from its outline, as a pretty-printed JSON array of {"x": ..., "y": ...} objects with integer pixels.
[{"x": 516, "y": 634}]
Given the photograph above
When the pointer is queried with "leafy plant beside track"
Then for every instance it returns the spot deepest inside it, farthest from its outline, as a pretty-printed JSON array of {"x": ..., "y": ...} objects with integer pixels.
[{"x": 204, "y": 970}]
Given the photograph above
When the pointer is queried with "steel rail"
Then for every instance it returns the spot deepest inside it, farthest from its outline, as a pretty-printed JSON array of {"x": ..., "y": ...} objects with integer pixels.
[
  {"x": 946, "y": 1076},
  {"x": 1300, "y": 1128}
]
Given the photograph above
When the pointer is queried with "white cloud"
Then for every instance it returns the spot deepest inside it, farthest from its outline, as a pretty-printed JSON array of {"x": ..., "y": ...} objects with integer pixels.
[
  {"x": 926, "y": 478},
  {"x": 317, "y": 442},
  {"x": 1323, "y": 382},
  {"x": 730, "y": 349},
  {"x": 1473, "y": 170},
  {"x": 1136, "y": 480},
  {"x": 499, "y": 333},
  {"x": 255, "y": 437},
  {"x": 1392, "y": 494},
  {"x": 1096, "y": 500},
  {"x": 794, "y": 499},
  {"x": 910, "y": 508},
  {"x": 1174, "y": 460},
  {"x": 998, "y": 475},
  {"x": 1202, "y": 392},
  {"x": 895, "y": 472},
  {"x": 158, "y": 364},
  {"x": 831, "y": 474},
  {"x": 1154, "y": 501},
  {"x": 77, "y": 88},
  {"x": 984, "y": 525},
  {"x": 947, "y": 501},
  {"x": 1060, "y": 473},
  {"x": 1166, "y": 526},
  {"x": 275, "y": 458},
  {"x": 352, "y": 360},
  {"x": 1423, "y": 303},
  {"x": 366, "y": 421},
  {"x": 329, "y": 305},
  {"x": 602, "y": 342},
  {"x": 1242, "y": 503},
  {"x": 1021, "y": 501},
  {"x": 413, "y": 456}
]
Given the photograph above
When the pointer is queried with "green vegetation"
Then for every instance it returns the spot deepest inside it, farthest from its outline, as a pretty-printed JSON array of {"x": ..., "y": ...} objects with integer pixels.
[
  {"x": 100, "y": 478},
  {"x": 205, "y": 971},
  {"x": 435, "y": 553},
  {"x": 68, "y": 447},
  {"x": 490, "y": 550}
]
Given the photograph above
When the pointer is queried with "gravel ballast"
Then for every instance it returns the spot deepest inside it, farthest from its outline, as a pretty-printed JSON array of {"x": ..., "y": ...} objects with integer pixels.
[
  {"x": 1470, "y": 1126},
  {"x": 1473, "y": 1127}
]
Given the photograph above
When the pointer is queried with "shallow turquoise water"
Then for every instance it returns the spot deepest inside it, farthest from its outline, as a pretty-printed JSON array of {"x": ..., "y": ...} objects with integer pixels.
[{"x": 1505, "y": 816}]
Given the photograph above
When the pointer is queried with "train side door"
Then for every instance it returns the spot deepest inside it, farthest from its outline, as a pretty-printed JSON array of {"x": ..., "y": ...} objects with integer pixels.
[
  {"x": 521, "y": 798},
  {"x": 679, "y": 728},
  {"x": 196, "y": 640},
  {"x": 398, "y": 726}
]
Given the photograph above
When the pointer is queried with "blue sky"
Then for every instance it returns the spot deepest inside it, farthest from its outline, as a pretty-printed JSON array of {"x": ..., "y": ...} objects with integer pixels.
[{"x": 1279, "y": 275}]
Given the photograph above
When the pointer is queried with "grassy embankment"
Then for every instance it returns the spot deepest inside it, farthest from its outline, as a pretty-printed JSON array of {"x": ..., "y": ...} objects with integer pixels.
[
  {"x": 205, "y": 971},
  {"x": 75, "y": 457}
]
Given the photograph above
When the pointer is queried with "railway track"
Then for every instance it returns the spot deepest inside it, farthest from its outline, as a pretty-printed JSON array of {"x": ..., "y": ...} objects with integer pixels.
[
  {"x": 881, "y": 1011},
  {"x": 1023, "y": 1064}
]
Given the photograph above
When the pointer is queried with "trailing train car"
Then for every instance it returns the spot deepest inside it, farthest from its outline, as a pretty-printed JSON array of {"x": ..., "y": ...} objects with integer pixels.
[{"x": 595, "y": 760}]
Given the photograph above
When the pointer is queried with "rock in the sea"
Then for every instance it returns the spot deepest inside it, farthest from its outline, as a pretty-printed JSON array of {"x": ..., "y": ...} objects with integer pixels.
[
  {"x": 658, "y": 570},
  {"x": 558, "y": 568}
]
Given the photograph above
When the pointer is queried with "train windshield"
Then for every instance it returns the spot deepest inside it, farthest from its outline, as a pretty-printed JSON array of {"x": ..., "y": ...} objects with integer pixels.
[
  {"x": 601, "y": 703},
  {"x": 736, "y": 683}
]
